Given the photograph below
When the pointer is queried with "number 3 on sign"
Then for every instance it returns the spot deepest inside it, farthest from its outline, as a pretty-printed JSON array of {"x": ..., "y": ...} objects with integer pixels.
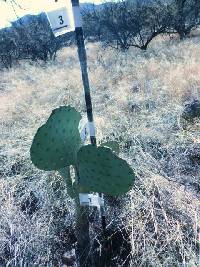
[{"x": 60, "y": 21}]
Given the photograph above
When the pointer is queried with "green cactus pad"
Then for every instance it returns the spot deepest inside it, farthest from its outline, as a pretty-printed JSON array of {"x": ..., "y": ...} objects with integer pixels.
[
  {"x": 56, "y": 143},
  {"x": 113, "y": 145},
  {"x": 100, "y": 170}
]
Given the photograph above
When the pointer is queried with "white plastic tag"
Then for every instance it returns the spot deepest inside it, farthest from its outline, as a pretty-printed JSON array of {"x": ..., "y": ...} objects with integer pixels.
[
  {"x": 77, "y": 16},
  {"x": 61, "y": 20},
  {"x": 91, "y": 128},
  {"x": 83, "y": 129},
  {"x": 91, "y": 200}
]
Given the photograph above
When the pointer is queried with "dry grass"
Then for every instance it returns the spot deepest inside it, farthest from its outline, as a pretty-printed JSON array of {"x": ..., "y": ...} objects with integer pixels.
[{"x": 138, "y": 97}]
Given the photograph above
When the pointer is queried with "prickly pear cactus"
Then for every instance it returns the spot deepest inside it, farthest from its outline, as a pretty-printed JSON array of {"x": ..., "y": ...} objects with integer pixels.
[
  {"x": 100, "y": 170},
  {"x": 113, "y": 145},
  {"x": 56, "y": 143}
]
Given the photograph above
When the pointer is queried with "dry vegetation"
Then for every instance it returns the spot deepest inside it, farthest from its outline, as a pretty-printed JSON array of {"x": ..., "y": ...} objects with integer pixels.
[{"x": 138, "y": 98}]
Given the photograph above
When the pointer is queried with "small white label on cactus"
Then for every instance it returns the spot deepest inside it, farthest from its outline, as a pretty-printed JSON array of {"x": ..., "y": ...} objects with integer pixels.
[
  {"x": 93, "y": 200},
  {"x": 61, "y": 20},
  {"x": 91, "y": 128}
]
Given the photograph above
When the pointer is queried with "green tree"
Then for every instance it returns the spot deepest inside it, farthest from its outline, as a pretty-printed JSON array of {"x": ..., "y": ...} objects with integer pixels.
[{"x": 184, "y": 16}]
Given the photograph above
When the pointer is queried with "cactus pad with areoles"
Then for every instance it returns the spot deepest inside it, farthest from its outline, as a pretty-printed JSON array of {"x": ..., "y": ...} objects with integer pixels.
[
  {"x": 113, "y": 145},
  {"x": 56, "y": 143},
  {"x": 100, "y": 170}
]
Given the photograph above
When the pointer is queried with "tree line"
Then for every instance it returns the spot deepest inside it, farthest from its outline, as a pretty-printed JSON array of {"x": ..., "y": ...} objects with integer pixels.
[
  {"x": 119, "y": 24},
  {"x": 136, "y": 23},
  {"x": 31, "y": 38}
]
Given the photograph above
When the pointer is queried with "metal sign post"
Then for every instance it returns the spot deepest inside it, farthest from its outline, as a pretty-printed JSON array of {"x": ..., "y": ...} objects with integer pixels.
[
  {"x": 61, "y": 22},
  {"x": 83, "y": 64}
]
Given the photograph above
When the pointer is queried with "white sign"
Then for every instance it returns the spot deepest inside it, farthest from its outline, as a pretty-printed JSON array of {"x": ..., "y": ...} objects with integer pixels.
[
  {"x": 61, "y": 20},
  {"x": 91, "y": 200}
]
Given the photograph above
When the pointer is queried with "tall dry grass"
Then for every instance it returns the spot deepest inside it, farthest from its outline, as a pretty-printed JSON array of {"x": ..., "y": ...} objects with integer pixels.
[{"x": 138, "y": 98}]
